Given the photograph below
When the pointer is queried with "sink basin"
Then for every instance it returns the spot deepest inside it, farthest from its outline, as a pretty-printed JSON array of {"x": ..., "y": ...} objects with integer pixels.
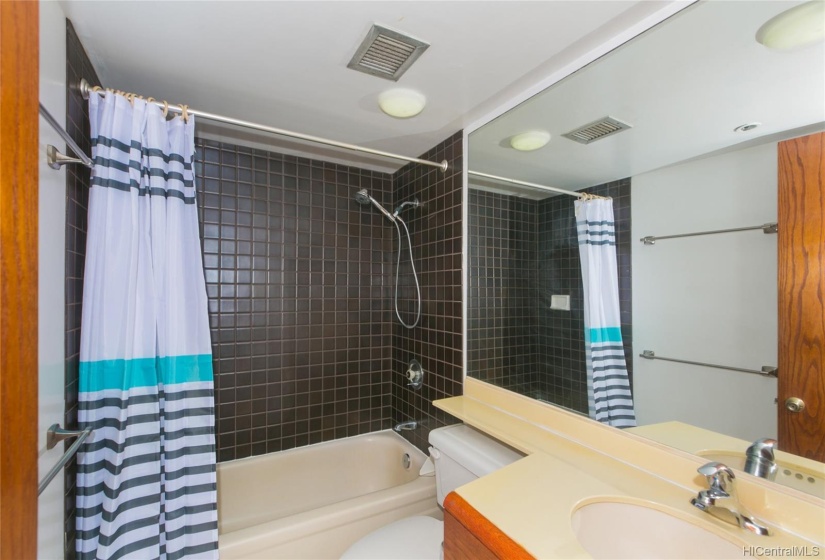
[
  {"x": 788, "y": 474},
  {"x": 625, "y": 530}
]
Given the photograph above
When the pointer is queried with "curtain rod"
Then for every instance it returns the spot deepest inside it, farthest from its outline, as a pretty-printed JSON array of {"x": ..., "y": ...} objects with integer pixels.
[
  {"x": 533, "y": 185},
  {"x": 86, "y": 90}
]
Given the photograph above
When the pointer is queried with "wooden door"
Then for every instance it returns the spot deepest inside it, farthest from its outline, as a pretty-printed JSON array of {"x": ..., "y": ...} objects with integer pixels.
[
  {"x": 801, "y": 215},
  {"x": 19, "y": 73}
]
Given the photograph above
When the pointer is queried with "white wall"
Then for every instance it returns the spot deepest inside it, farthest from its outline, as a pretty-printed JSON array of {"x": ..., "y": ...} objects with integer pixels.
[
  {"x": 710, "y": 298},
  {"x": 51, "y": 276}
]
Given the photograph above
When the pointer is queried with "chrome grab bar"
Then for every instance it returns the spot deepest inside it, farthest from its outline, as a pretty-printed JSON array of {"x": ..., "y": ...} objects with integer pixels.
[
  {"x": 767, "y": 371},
  {"x": 772, "y": 227},
  {"x": 57, "y": 434}
]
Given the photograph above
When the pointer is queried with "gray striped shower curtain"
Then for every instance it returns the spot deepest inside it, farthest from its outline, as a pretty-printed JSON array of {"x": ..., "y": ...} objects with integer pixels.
[
  {"x": 146, "y": 479},
  {"x": 608, "y": 388}
]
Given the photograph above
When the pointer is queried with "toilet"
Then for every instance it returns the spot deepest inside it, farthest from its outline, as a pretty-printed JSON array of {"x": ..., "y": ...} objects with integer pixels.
[{"x": 461, "y": 455}]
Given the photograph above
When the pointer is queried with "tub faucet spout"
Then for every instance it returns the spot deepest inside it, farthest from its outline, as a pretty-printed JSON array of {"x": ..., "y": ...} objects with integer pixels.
[{"x": 405, "y": 426}]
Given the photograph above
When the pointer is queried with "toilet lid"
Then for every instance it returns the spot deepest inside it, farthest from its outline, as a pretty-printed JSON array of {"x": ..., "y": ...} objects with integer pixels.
[{"x": 412, "y": 538}]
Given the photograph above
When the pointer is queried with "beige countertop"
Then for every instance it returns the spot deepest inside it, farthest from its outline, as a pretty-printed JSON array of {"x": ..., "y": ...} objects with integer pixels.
[{"x": 533, "y": 500}]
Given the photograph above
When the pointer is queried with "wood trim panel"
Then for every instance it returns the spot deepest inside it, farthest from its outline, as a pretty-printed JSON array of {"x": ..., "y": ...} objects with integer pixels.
[
  {"x": 460, "y": 514},
  {"x": 19, "y": 94},
  {"x": 801, "y": 253},
  {"x": 461, "y": 544}
]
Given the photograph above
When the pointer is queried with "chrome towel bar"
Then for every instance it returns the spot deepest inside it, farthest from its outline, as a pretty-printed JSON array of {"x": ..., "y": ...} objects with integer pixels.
[
  {"x": 766, "y": 371},
  {"x": 57, "y": 434},
  {"x": 772, "y": 227}
]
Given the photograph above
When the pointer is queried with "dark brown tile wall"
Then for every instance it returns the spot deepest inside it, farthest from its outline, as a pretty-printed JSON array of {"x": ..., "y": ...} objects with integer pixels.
[
  {"x": 436, "y": 241},
  {"x": 78, "y": 66},
  {"x": 297, "y": 279},
  {"x": 306, "y": 347},
  {"x": 561, "y": 333},
  {"x": 501, "y": 307}
]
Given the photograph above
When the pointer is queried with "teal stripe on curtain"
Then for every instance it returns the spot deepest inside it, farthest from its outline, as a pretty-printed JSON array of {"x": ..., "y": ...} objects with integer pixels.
[
  {"x": 144, "y": 372},
  {"x": 606, "y": 334}
]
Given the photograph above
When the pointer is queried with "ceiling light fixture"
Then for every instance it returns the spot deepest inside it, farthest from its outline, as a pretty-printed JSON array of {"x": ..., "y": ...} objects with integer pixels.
[
  {"x": 746, "y": 127},
  {"x": 801, "y": 25},
  {"x": 401, "y": 103},
  {"x": 529, "y": 141}
]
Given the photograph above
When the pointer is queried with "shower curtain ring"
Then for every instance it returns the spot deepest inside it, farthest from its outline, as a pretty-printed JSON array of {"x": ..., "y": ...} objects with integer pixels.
[
  {"x": 165, "y": 108},
  {"x": 184, "y": 110}
]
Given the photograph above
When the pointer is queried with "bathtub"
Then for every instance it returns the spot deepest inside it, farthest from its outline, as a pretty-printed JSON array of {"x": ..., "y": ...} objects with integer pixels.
[{"x": 315, "y": 501}]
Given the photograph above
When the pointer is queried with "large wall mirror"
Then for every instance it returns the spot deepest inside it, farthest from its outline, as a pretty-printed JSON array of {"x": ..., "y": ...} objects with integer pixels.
[{"x": 700, "y": 106}]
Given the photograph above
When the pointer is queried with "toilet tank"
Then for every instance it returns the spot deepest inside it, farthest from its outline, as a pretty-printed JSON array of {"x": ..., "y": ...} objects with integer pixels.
[{"x": 462, "y": 454}]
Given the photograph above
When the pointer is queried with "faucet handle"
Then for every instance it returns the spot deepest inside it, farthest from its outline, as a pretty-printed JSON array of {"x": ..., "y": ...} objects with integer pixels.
[{"x": 719, "y": 476}]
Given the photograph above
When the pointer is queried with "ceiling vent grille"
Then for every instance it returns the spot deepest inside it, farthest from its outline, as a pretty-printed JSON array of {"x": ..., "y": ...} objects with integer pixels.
[
  {"x": 597, "y": 130},
  {"x": 386, "y": 53}
]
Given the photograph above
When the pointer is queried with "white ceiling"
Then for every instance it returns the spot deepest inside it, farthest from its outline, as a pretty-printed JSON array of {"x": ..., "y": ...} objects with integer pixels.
[
  {"x": 284, "y": 63},
  {"x": 684, "y": 86}
]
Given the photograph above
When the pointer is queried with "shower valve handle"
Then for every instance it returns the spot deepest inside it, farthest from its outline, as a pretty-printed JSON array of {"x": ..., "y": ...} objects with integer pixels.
[{"x": 415, "y": 373}]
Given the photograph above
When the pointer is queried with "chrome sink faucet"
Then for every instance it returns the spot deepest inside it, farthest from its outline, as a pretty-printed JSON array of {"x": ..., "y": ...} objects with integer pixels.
[
  {"x": 721, "y": 501},
  {"x": 759, "y": 459}
]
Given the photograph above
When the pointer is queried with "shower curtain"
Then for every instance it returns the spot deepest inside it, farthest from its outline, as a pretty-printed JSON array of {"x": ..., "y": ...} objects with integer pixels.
[
  {"x": 608, "y": 387},
  {"x": 146, "y": 478}
]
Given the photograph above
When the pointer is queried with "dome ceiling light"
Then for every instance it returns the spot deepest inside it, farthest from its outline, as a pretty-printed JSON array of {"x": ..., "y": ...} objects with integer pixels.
[
  {"x": 401, "y": 103},
  {"x": 529, "y": 141},
  {"x": 800, "y": 26}
]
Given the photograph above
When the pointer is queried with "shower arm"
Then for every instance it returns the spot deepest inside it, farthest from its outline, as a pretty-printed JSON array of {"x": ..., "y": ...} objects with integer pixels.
[{"x": 400, "y": 208}]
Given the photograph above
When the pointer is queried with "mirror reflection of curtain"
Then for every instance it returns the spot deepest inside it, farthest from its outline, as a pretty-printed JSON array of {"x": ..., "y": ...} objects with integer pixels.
[
  {"x": 608, "y": 387},
  {"x": 146, "y": 477}
]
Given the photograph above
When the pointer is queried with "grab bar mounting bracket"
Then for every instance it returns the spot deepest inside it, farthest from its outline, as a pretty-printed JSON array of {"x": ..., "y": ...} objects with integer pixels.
[
  {"x": 55, "y": 434},
  {"x": 56, "y": 160}
]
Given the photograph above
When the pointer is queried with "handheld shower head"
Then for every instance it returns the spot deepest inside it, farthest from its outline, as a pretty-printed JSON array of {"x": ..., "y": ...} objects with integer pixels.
[{"x": 363, "y": 197}]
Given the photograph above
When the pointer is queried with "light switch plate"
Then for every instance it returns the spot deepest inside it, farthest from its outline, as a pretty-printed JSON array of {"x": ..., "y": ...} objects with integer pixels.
[{"x": 560, "y": 302}]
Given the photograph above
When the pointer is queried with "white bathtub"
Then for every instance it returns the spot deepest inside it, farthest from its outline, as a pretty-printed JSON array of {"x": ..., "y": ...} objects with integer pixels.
[{"x": 315, "y": 501}]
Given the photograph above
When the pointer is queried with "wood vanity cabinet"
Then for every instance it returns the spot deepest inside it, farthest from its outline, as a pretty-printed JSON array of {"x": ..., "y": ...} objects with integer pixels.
[{"x": 468, "y": 535}]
